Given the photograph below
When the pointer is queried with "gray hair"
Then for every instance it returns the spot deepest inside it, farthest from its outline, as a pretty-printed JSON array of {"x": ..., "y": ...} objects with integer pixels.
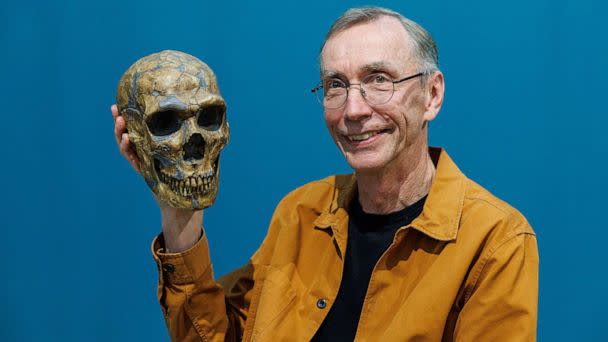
[{"x": 424, "y": 47}]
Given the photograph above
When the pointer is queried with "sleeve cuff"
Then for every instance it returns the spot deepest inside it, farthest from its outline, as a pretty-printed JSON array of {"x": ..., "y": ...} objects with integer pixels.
[{"x": 184, "y": 267}]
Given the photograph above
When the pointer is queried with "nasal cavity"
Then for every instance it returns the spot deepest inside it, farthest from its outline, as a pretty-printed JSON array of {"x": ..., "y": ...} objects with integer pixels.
[{"x": 195, "y": 147}]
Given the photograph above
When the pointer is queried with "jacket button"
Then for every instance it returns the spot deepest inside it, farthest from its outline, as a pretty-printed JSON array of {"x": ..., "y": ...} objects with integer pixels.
[
  {"x": 321, "y": 303},
  {"x": 169, "y": 268}
]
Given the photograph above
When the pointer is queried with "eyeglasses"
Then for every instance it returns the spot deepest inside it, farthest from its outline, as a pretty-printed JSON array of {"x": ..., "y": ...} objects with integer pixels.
[{"x": 376, "y": 89}]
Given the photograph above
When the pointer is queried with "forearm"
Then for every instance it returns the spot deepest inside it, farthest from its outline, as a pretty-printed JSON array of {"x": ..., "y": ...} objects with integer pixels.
[{"x": 194, "y": 305}]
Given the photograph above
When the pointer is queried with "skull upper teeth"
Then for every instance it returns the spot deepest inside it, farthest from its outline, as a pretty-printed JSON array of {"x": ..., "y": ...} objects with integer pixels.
[
  {"x": 361, "y": 137},
  {"x": 190, "y": 185}
]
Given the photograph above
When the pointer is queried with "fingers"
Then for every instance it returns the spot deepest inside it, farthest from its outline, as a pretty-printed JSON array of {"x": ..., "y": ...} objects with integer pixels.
[
  {"x": 124, "y": 144},
  {"x": 127, "y": 151},
  {"x": 119, "y": 124},
  {"x": 119, "y": 129},
  {"x": 114, "y": 110},
  {"x": 122, "y": 138}
]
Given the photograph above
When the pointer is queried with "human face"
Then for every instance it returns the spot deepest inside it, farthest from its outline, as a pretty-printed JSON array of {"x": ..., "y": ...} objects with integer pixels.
[{"x": 375, "y": 137}]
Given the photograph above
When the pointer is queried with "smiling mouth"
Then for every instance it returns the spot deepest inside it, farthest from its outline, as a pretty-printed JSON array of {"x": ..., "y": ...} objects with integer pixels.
[
  {"x": 363, "y": 136},
  {"x": 193, "y": 185}
]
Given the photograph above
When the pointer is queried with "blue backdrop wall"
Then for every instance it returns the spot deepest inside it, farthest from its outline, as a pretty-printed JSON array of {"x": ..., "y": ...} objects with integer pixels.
[{"x": 524, "y": 116}]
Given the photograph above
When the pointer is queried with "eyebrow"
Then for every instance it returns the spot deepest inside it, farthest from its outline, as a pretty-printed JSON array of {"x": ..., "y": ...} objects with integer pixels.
[
  {"x": 373, "y": 67},
  {"x": 330, "y": 73},
  {"x": 367, "y": 68}
]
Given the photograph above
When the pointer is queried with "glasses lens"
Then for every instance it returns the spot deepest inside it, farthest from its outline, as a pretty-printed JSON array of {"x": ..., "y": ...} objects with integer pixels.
[
  {"x": 378, "y": 88},
  {"x": 334, "y": 93},
  {"x": 319, "y": 94}
]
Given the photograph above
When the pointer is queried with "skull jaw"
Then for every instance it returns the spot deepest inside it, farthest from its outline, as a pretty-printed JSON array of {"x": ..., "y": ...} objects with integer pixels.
[
  {"x": 194, "y": 201},
  {"x": 181, "y": 194}
]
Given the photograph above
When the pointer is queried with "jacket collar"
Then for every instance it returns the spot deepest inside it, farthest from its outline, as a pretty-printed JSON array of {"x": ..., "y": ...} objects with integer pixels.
[{"x": 440, "y": 216}]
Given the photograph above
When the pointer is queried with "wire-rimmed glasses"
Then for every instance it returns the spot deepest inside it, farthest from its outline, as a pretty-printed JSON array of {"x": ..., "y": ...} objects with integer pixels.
[{"x": 376, "y": 89}]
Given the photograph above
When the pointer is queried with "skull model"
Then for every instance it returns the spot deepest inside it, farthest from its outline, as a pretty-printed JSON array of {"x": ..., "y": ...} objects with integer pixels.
[{"x": 176, "y": 120}]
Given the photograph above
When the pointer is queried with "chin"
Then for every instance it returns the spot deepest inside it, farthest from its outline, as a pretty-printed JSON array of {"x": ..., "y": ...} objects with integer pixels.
[{"x": 365, "y": 164}]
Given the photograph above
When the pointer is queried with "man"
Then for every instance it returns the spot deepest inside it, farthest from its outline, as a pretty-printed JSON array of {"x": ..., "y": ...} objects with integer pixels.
[{"x": 407, "y": 248}]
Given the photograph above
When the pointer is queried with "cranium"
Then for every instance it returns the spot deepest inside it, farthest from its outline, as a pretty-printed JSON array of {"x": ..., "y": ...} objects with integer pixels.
[{"x": 176, "y": 120}]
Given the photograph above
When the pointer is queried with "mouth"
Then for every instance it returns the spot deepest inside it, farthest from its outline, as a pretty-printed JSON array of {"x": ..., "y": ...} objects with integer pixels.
[
  {"x": 363, "y": 137},
  {"x": 200, "y": 183}
]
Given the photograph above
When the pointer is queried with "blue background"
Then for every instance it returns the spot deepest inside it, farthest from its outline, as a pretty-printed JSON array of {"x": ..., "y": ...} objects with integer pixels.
[{"x": 524, "y": 115}]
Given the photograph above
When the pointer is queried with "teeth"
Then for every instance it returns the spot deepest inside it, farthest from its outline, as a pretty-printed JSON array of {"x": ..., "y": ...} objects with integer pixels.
[
  {"x": 190, "y": 185},
  {"x": 361, "y": 137}
]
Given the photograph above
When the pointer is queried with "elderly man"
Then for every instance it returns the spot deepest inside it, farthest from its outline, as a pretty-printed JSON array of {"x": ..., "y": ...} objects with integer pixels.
[{"x": 406, "y": 248}]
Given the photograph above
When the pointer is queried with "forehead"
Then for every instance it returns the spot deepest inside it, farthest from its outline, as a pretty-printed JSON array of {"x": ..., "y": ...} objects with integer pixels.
[
  {"x": 383, "y": 41},
  {"x": 174, "y": 88},
  {"x": 169, "y": 80}
]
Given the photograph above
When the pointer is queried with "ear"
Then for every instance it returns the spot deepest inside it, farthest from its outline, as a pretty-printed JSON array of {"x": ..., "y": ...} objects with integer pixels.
[{"x": 435, "y": 87}]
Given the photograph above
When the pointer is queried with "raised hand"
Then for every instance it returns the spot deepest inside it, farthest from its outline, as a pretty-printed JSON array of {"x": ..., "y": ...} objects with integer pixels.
[
  {"x": 122, "y": 138},
  {"x": 182, "y": 228}
]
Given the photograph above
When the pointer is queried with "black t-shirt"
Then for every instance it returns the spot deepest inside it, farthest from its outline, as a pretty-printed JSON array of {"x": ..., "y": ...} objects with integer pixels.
[{"x": 369, "y": 236}]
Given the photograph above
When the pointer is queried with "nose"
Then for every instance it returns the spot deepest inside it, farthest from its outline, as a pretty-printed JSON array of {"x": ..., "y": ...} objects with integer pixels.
[
  {"x": 194, "y": 149},
  {"x": 356, "y": 107}
]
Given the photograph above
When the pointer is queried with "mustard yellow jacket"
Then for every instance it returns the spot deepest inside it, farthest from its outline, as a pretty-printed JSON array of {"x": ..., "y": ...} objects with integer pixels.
[{"x": 465, "y": 270}]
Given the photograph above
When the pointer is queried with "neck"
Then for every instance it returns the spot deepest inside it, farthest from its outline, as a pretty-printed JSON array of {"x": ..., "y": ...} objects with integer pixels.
[{"x": 398, "y": 185}]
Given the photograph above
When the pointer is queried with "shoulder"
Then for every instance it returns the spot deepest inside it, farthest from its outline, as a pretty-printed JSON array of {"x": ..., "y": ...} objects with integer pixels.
[
  {"x": 495, "y": 234},
  {"x": 484, "y": 208}
]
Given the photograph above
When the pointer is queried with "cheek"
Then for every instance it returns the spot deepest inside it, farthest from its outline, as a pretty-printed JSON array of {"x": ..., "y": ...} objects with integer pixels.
[
  {"x": 401, "y": 112},
  {"x": 332, "y": 119},
  {"x": 414, "y": 110},
  {"x": 407, "y": 115}
]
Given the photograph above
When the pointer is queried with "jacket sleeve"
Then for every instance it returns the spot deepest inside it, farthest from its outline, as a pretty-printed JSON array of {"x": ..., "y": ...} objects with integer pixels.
[
  {"x": 194, "y": 305},
  {"x": 502, "y": 305}
]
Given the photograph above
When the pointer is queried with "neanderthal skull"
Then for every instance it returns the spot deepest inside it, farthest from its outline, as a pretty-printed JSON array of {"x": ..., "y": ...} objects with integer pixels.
[{"x": 176, "y": 120}]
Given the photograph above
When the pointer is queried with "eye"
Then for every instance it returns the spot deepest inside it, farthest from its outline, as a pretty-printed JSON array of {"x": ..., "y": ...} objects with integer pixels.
[
  {"x": 163, "y": 123},
  {"x": 211, "y": 118},
  {"x": 333, "y": 83},
  {"x": 378, "y": 78}
]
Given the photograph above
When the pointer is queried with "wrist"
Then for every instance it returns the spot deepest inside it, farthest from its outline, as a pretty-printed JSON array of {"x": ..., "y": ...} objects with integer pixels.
[{"x": 182, "y": 228}]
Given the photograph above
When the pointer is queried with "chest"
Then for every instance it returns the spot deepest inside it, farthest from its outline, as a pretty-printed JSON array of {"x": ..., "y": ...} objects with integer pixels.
[{"x": 414, "y": 290}]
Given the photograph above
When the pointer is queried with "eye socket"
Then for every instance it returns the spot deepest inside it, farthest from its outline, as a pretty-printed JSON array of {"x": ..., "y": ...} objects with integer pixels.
[
  {"x": 211, "y": 118},
  {"x": 163, "y": 123}
]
